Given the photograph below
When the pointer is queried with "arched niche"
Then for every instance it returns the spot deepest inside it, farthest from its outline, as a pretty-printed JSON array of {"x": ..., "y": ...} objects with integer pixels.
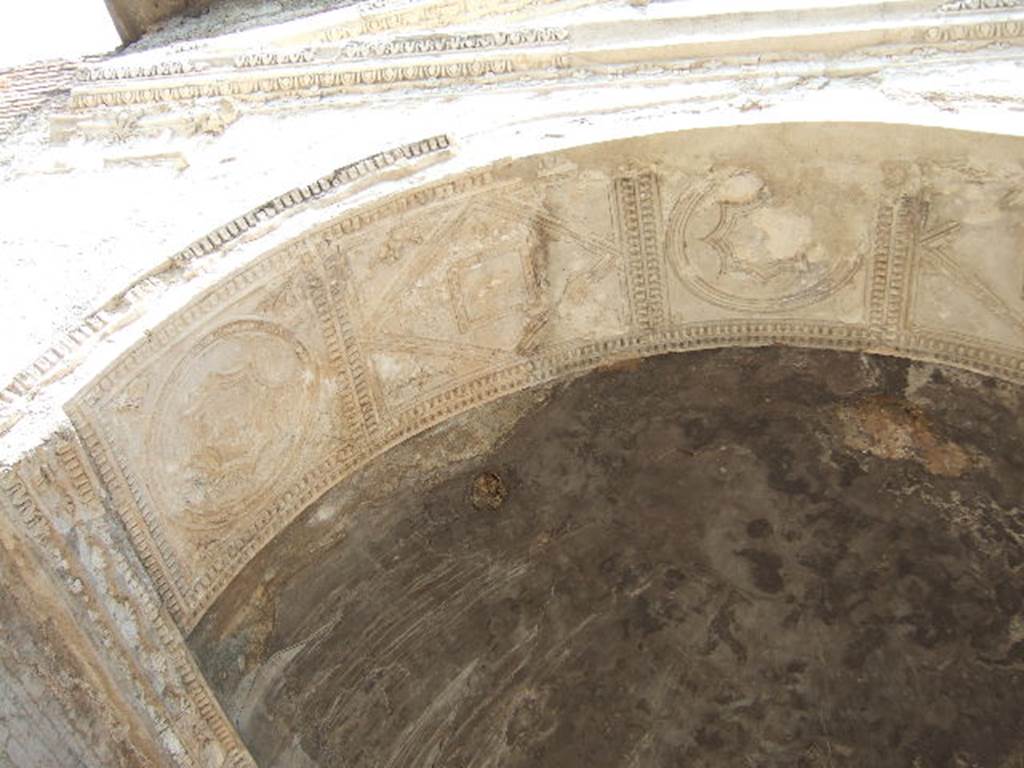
[
  {"x": 322, "y": 350},
  {"x": 766, "y": 555}
]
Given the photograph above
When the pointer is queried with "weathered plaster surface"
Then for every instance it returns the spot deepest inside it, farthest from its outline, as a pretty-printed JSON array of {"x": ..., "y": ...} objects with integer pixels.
[
  {"x": 320, "y": 237},
  {"x": 208, "y": 19},
  {"x": 769, "y": 557},
  {"x": 617, "y": 70},
  {"x": 153, "y": 23},
  {"x": 229, "y": 418}
]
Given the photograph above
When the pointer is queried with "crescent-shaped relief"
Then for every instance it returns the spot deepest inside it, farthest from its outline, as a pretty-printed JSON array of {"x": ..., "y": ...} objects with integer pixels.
[{"x": 736, "y": 245}]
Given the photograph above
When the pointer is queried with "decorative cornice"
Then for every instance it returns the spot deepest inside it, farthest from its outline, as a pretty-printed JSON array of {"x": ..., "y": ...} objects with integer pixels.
[
  {"x": 956, "y": 6},
  {"x": 89, "y": 73},
  {"x": 427, "y": 44},
  {"x": 419, "y": 45},
  {"x": 308, "y": 193},
  {"x": 315, "y": 79},
  {"x": 995, "y": 30},
  {"x": 274, "y": 58},
  {"x": 418, "y": 63}
]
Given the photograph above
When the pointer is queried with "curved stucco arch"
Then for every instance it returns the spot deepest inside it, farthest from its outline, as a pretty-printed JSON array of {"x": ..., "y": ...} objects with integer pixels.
[
  {"x": 181, "y": 136},
  {"x": 385, "y": 317}
]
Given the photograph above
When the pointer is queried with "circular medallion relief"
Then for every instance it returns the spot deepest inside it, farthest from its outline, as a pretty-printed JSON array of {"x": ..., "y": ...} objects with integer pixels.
[
  {"x": 230, "y": 421},
  {"x": 734, "y": 246}
]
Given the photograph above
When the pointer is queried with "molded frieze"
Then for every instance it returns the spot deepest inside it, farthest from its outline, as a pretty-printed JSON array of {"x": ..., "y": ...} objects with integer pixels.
[
  {"x": 388, "y": 315},
  {"x": 231, "y": 417}
]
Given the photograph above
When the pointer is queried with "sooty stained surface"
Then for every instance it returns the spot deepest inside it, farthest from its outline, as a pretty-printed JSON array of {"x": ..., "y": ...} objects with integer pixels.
[{"x": 726, "y": 559}]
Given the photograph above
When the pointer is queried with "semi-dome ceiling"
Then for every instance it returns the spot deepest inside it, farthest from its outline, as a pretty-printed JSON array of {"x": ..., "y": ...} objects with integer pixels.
[{"x": 741, "y": 557}]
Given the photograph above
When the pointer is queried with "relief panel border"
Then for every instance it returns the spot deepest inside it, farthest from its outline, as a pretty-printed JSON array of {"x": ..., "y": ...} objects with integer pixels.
[
  {"x": 61, "y": 468},
  {"x": 187, "y": 601},
  {"x": 884, "y": 333}
]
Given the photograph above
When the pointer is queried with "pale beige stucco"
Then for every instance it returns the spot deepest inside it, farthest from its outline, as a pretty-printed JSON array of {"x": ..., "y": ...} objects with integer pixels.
[{"x": 259, "y": 260}]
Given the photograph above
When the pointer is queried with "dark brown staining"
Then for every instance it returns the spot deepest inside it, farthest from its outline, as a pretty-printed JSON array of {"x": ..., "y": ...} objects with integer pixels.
[
  {"x": 742, "y": 558},
  {"x": 764, "y": 569},
  {"x": 758, "y": 529},
  {"x": 488, "y": 491}
]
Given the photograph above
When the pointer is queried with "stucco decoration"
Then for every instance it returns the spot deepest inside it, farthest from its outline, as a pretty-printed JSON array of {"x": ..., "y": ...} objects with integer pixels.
[
  {"x": 249, "y": 376},
  {"x": 323, "y": 235},
  {"x": 95, "y": 671},
  {"x": 360, "y": 54},
  {"x": 235, "y": 414}
]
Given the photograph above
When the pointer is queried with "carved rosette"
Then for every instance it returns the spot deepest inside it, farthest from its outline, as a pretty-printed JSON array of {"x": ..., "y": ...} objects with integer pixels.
[
  {"x": 212, "y": 420},
  {"x": 229, "y": 423}
]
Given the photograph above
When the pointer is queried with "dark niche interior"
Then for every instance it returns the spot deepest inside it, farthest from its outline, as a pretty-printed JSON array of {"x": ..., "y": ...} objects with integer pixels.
[{"x": 734, "y": 558}]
